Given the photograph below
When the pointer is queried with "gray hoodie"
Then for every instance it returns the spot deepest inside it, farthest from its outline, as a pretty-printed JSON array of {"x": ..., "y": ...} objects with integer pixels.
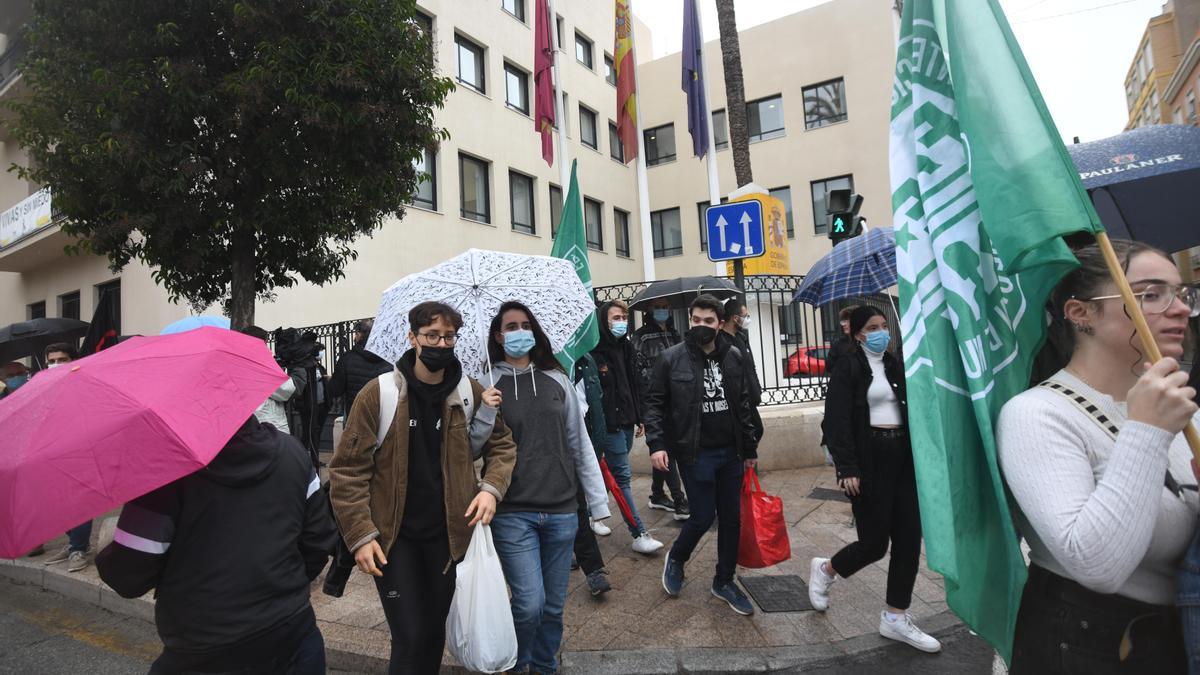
[{"x": 554, "y": 454}]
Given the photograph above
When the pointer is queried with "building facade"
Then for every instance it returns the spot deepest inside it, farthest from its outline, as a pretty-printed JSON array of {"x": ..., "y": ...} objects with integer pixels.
[
  {"x": 1149, "y": 96},
  {"x": 818, "y": 116}
]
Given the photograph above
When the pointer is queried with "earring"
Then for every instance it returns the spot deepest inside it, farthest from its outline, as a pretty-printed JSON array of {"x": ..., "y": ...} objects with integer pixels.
[{"x": 1085, "y": 328}]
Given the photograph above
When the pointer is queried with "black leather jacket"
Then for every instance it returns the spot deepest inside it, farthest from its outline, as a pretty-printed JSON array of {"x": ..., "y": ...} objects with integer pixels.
[
  {"x": 848, "y": 417},
  {"x": 672, "y": 412}
]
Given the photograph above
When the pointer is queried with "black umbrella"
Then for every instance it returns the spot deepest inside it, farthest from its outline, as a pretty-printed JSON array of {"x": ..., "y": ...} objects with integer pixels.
[
  {"x": 1144, "y": 184},
  {"x": 682, "y": 290},
  {"x": 29, "y": 338}
]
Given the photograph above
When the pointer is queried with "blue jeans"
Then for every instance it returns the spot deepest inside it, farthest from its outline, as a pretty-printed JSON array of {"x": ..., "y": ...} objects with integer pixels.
[
  {"x": 616, "y": 455},
  {"x": 535, "y": 552},
  {"x": 79, "y": 537},
  {"x": 1189, "y": 603},
  {"x": 714, "y": 488}
]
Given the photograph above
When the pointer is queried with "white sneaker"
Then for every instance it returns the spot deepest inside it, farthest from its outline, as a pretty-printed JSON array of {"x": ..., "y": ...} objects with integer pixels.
[
  {"x": 601, "y": 529},
  {"x": 818, "y": 584},
  {"x": 646, "y": 544},
  {"x": 903, "y": 630}
]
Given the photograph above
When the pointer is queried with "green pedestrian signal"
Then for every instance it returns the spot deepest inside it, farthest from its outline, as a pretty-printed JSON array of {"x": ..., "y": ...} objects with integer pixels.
[{"x": 839, "y": 225}]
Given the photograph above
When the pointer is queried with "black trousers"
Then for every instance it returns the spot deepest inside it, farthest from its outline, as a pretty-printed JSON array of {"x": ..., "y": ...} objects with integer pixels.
[
  {"x": 886, "y": 510},
  {"x": 714, "y": 482},
  {"x": 416, "y": 597},
  {"x": 587, "y": 549},
  {"x": 670, "y": 479},
  {"x": 1063, "y": 627}
]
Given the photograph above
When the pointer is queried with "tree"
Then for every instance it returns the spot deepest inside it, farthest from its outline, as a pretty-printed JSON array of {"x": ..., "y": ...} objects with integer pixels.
[
  {"x": 232, "y": 146},
  {"x": 735, "y": 92}
]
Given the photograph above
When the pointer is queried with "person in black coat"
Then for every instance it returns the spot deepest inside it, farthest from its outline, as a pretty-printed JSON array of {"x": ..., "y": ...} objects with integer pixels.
[
  {"x": 230, "y": 551},
  {"x": 866, "y": 426},
  {"x": 355, "y": 369}
]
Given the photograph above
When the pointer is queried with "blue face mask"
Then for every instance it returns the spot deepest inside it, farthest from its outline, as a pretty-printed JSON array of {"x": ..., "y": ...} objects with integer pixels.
[
  {"x": 878, "y": 341},
  {"x": 518, "y": 343},
  {"x": 619, "y": 328},
  {"x": 661, "y": 315},
  {"x": 14, "y": 383}
]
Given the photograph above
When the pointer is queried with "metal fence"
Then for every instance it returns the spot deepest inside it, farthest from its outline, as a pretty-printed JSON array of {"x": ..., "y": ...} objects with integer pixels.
[{"x": 782, "y": 334}]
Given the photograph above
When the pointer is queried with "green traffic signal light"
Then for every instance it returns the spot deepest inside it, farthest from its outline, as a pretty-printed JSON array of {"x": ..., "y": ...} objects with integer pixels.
[{"x": 839, "y": 225}]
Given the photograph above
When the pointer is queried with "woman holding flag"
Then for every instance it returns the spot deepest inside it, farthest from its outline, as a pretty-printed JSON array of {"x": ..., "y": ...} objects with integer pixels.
[{"x": 1099, "y": 468}]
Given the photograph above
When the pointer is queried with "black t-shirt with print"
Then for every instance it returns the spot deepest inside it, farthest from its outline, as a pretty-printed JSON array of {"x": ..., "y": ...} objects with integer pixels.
[{"x": 716, "y": 420}]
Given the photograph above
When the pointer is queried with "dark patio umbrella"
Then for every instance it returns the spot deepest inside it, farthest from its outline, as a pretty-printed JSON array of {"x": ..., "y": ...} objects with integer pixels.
[
  {"x": 680, "y": 291},
  {"x": 1145, "y": 183},
  {"x": 28, "y": 338}
]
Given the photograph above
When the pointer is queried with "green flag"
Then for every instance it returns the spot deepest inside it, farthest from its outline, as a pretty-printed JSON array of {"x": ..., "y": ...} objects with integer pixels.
[
  {"x": 571, "y": 243},
  {"x": 982, "y": 192}
]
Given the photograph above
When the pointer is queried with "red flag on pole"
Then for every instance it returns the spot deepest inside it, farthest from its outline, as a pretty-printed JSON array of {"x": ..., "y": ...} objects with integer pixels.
[
  {"x": 626, "y": 80},
  {"x": 543, "y": 80}
]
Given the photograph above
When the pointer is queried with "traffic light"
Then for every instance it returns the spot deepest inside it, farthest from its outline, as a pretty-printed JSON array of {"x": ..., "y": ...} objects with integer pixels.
[{"x": 842, "y": 208}]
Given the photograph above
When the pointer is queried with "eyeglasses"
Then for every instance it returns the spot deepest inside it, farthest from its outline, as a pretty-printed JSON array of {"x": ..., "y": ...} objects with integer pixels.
[
  {"x": 1158, "y": 298},
  {"x": 432, "y": 339}
]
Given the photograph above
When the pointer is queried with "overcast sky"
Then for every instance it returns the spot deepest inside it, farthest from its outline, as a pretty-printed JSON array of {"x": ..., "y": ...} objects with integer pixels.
[{"x": 1079, "y": 50}]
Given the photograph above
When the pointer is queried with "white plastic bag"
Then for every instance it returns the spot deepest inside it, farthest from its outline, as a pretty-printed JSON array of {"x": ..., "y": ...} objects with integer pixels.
[{"x": 479, "y": 628}]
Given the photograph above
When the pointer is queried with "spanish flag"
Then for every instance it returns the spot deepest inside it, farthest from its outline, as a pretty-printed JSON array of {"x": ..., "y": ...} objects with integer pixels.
[{"x": 626, "y": 80}]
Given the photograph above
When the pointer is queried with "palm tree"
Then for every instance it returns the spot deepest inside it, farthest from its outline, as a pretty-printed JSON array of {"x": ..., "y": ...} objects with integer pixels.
[{"x": 735, "y": 92}]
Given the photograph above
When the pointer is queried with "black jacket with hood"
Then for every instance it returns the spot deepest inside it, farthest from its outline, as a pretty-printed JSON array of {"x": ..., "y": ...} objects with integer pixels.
[
  {"x": 616, "y": 362},
  {"x": 230, "y": 551},
  {"x": 677, "y": 391},
  {"x": 353, "y": 371}
]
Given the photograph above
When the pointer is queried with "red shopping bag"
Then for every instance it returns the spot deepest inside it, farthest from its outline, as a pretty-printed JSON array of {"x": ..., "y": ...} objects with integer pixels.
[{"x": 764, "y": 541}]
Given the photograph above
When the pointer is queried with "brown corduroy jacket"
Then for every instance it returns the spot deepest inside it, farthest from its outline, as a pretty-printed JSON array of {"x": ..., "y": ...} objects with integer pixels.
[{"x": 367, "y": 488}]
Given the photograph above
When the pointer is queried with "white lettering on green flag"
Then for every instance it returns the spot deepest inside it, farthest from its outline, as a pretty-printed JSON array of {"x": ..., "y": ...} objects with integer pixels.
[
  {"x": 571, "y": 243},
  {"x": 982, "y": 191}
]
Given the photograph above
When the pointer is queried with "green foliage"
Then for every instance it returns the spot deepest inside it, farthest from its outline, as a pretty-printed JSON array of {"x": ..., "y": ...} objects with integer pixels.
[{"x": 167, "y": 131}]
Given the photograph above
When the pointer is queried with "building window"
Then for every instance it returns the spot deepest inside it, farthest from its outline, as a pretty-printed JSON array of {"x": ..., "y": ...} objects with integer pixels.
[
  {"x": 764, "y": 118},
  {"x": 113, "y": 289},
  {"x": 668, "y": 238},
  {"x": 587, "y": 128},
  {"x": 1155, "y": 110},
  {"x": 68, "y": 305},
  {"x": 583, "y": 50},
  {"x": 426, "y": 195},
  {"x": 592, "y": 223},
  {"x": 474, "y": 197},
  {"x": 660, "y": 144},
  {"x": 470, "y": 64},
  {"x": 702, "y": 211},
  {"x": 784, "y": 194},
  {"x": 720, "y": 129},
  {"x": 556, "y": 204},
  {"x": 36, "y": 310},
  {"x": 558, "y": 26},
  {"x": 514, "y": 7},
  {"x": 516, "y": 88},
  {"x": 616, "y": 149},
  {"x": 1189, "y": 103},
  {"x": 819, "y": 189},
  {"x": 825, "y": 104},
  {"x": 621, "y": 231},
  {"x": 520, "y": 199},
  {"x": 566, "y": 121},
  {"x": 610, "y": 70},
  {"x": 1178, "y": 119}
]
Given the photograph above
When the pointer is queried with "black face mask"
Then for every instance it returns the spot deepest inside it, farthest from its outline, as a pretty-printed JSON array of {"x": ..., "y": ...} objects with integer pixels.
[
  {"x": 702, "y": 335},
  {"x": 436, "y": 358}
]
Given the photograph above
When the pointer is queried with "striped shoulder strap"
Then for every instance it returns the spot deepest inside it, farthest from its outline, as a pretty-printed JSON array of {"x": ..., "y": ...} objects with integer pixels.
[{"x": 1083, "y": 403}]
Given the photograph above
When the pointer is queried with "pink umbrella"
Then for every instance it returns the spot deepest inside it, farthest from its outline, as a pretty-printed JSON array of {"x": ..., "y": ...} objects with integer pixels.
[{"x": 86, "y": 437}]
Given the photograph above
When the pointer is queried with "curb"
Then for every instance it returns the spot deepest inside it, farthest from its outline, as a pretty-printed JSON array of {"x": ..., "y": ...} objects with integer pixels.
[{"x": 359, "y": 656}]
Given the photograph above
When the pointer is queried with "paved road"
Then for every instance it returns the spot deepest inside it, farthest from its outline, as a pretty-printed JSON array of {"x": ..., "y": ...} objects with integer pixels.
[{"x": 44, "y": 632}]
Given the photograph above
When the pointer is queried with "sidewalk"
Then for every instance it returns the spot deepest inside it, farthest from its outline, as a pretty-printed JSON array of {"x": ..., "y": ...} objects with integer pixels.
[{"x": 636, "y": 628}]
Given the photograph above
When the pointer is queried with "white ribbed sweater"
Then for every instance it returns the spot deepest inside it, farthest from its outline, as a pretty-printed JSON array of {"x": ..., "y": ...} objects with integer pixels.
[{"x": 1094, "y": 510}]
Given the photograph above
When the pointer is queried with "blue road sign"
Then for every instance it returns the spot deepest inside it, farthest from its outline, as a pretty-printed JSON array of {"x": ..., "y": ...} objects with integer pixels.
[{"x": 735, "y": 231}]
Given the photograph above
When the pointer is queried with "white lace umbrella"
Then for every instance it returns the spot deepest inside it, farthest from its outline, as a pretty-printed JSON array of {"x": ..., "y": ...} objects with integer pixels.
[{"x": 476, "y": 283}]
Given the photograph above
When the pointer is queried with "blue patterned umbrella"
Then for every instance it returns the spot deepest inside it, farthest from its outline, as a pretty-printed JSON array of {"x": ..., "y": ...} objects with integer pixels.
[{"x": 855, "y": 267}]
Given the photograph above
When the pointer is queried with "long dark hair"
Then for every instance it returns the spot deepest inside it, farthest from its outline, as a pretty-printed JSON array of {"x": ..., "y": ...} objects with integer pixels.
[
  {"x": 859, "y": 318},
  {"x": 542, "y": 354}
]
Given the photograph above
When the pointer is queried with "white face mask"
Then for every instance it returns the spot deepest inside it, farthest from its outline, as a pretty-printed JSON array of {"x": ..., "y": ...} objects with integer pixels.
[{"x": 53, "y": 365}]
